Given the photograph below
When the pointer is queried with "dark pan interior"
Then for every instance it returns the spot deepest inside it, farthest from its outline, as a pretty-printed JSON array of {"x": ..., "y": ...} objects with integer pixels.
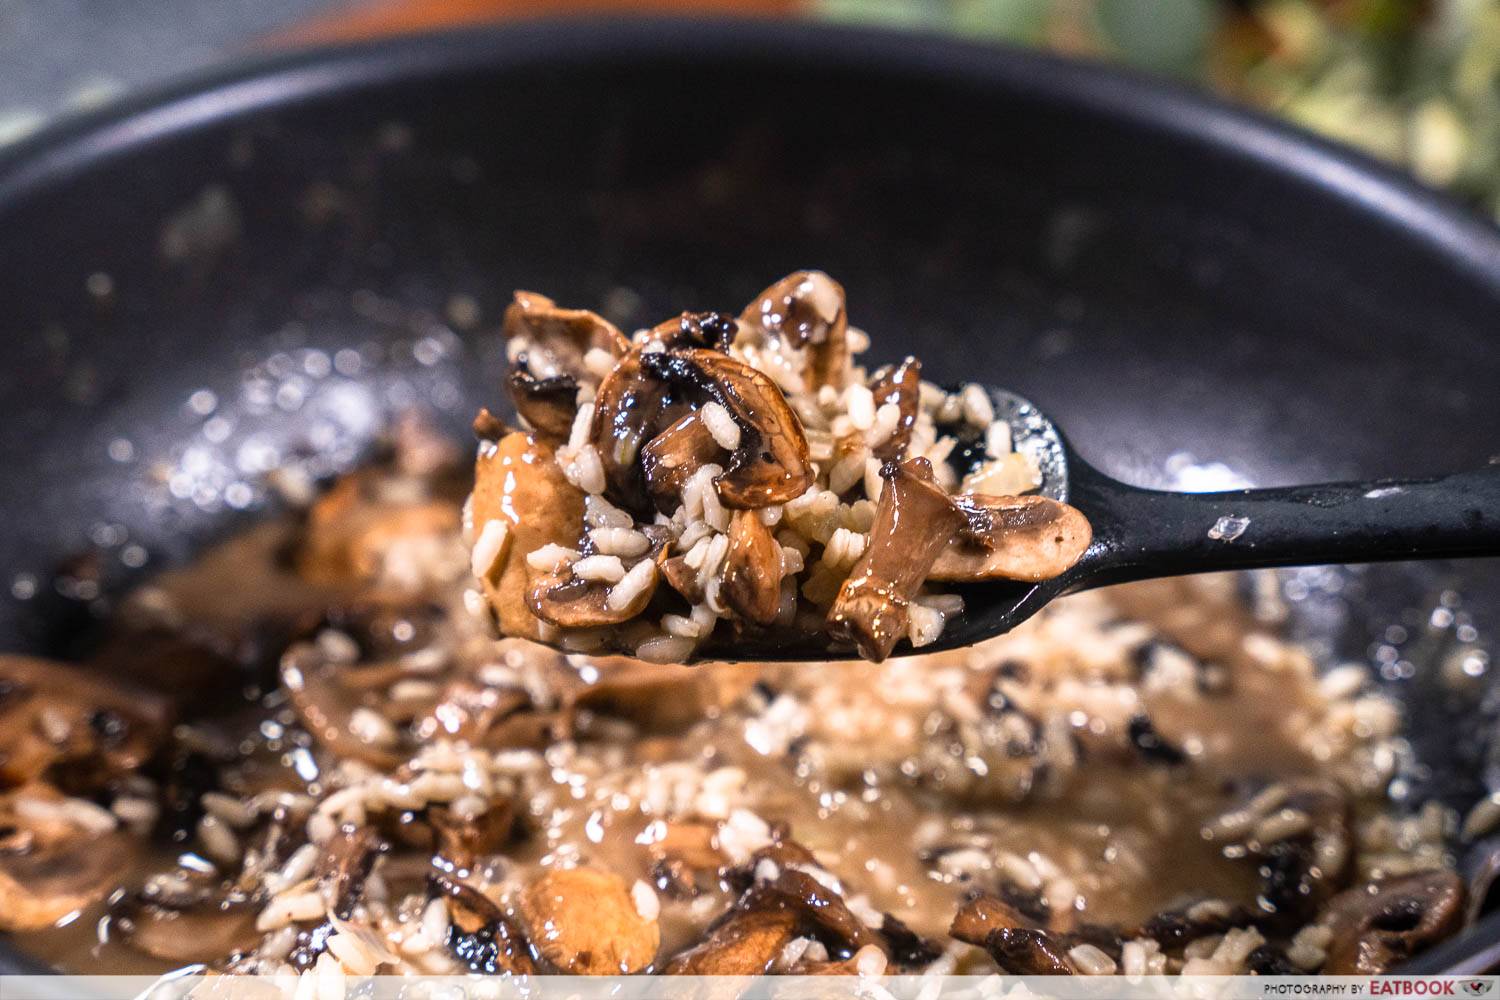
[{"x": 1165, "y": 277}]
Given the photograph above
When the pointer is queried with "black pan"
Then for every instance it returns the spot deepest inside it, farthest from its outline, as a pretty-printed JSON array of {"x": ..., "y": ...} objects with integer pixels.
[{"x": 1163, "y": 275}]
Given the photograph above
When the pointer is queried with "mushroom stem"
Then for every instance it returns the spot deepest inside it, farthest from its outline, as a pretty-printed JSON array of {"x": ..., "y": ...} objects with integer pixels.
[
  {"x": 752, "y": 569},
  {"x": 914, "y": 521}
]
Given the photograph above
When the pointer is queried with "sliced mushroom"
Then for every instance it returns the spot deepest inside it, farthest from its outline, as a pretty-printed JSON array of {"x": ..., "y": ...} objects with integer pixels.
[
  {"x": 752, "y": 569},
  {"x": 519, "y": 484},
  {"x": 196, "y": 924},
  {"x": 60, "y": 724},
  {"x": 631, "y": 407},
  {"x": 551, "y": 357},
  {"x": 805, "y": 310},
  {"x": 373, "y": 528},
  {"x": 823, "y": 911},
  {"x": 983, "y": 915},
  {"x": 745, "y": 942},
  {"x": 660, "y": 697},
  {"x": 488, "y": 427},
  {"x": 712, "y": 331},
  {"x": 771, "y": 465},
  {"x": 686, "y": 860},
  {"x": 51, "y": 864},
  {"x": 585, "y": 922},
  {"x": 462, "y": 841},
  {"x": 669, "y": 459},
  {"x": 679, "y": 576},
  {"x": 1381, "y": 924},
  {"x": 479, "y": 933},
  {"x": 905, "y": 946},
  {"x": 345, "y": 864},
  {"x": 560, "y": 598},
  {"x": 468, "y": 711},
  {"x": 1480, "y": 864},
  {"x": 326, "y": 707},
  {"x": 547, "y": 405},
  {"x": 914, "y": 521},
  {"x": 1298, "y": 833},
  {"x": 1016, "y": 946},
  {"x": 1028, "y": 538},
  {"x": 901, "y": 386}
]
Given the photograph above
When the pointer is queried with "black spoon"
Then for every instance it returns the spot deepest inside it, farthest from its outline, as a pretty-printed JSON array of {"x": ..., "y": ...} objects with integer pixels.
[{"x": 1142, "y": 534}]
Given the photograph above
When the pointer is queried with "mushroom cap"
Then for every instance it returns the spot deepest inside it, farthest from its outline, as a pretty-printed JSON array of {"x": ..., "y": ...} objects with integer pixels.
[
  {"x": 62, "y": 724},
  {"x": 49, "y": 867},
  {"x": 519, "y": 483},
  {"x": 1028, "y": 538},
  {"x": 805, "y": 311},
  {"x": 771, "y": 464},
  {"x": 1378, "y": 925},
  {"x": 585, "y": 922}
]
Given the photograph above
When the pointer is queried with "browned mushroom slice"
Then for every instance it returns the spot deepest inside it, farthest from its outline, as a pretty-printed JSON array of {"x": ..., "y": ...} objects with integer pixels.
[
  {"x": 806, "y": 310},
  {"x": 712, "y": 331},
  {"x": 630, "y": 408},
  {"x": 752, "y": 569},
  {"x": 461, "y": 842},
  {"x": 770, "y": 466},
  {"x": 585, "y": 922},
  {"x": 982, "y": 915},
  {"x": 345, "y": 864},
  {"x": 75, "y": 730},
  {"x": 1027, "y": 538},
  {"x": 680, "y": 576},
  {"x": 326, "y": 707},
  {"x": 468, "y": 711},
  {"x": 548, "y": 405},
  {"x": 900, "y": 385},
  {"x": 519, "y": 484},
  {"x": 1016, "y": 945},
  {"x": 670, "y": 459},
  {"x": 906, "y": 947},
  {"x": 1378, "y": 925},
  {"x": 660, "y": 697},
  {"x": 914, "y": 521},
  {"x": 822, "y": 909},
  {"x": 480, "y": 935},
  {"x": 686, "y": 859},
  {"x": 361, "y": 530},
  {"x": 196, "y": 924},
  {"x": 548, "y": 344},
  {"x": 51, "y": 866},
  {"x": 745, "y": 942},
  {"x": 568, "y": 601}
]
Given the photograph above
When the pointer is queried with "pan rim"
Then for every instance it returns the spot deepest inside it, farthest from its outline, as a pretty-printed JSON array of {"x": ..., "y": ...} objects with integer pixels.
[
  {"x": 255, "y": 83},
  {"x": 261, "y": 82}
]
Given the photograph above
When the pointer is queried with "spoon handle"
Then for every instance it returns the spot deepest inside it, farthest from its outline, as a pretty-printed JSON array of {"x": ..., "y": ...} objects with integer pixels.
[{"x": 1141, "y": 533}]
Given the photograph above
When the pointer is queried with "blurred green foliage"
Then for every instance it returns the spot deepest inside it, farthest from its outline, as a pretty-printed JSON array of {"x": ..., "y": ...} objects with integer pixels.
[{"x": 1416, "y": 82}]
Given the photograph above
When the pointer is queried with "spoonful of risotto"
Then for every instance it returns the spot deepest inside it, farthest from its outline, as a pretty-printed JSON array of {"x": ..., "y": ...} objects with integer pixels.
[{"x": 722, "y": 487}]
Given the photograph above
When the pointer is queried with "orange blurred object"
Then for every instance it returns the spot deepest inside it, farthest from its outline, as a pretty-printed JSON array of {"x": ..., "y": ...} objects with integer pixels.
[{"x": 388, "y": 17}]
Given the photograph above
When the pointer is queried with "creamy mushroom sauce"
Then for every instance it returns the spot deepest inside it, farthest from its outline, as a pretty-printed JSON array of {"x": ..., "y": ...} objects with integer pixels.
[{"x": 335, "y": 681}]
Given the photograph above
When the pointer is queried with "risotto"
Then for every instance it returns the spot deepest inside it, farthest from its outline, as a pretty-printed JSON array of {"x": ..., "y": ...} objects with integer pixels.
[
  {"x": 307, "y": 755},
  {"x": 715, "y": 484}
]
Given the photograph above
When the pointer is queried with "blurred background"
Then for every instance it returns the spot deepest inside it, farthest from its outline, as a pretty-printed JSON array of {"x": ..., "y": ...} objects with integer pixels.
[{"x": 1415, "y": 82}]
